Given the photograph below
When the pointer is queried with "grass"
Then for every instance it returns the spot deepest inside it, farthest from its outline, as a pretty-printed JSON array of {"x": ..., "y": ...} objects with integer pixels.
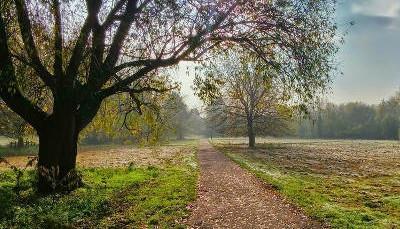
[
  {"x": 151, "y": 195},
  {"x": 348, "y": 184},
  {"x": 6, "y": 151}
]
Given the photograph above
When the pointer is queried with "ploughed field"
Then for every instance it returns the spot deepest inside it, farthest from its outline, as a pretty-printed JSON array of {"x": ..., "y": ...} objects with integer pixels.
[
  {"x": 123, "y": 187},
  {"x": 347, "y": 184}
]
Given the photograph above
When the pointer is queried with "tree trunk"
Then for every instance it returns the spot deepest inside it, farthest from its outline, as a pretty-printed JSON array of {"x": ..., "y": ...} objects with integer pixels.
[
  {"x": 57, "y": 154},
  {"x": 180, "y": 136},
  {"x": 20, "y": 142},
  {"x": 251, "y": 134}
]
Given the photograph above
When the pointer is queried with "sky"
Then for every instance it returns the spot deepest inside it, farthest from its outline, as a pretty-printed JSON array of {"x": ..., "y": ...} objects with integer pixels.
[{"x": 369, "y": 58}]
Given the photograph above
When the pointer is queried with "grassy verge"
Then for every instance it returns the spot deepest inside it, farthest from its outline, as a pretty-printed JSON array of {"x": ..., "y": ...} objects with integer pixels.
[
  {"x": 340, "y": 199},
  {"x": 143, "y": 196}
]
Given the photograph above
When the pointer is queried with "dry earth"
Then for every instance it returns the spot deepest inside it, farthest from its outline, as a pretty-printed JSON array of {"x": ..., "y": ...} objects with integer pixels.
[
  {"x": 115, "y": 156},
  {"x": 352, "y": 158}
]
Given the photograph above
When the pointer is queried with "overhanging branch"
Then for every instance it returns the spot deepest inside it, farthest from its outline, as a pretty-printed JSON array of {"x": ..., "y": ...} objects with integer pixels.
[
  {"x": 29, "y": 43},
  {"x": 9, "y": 91}
]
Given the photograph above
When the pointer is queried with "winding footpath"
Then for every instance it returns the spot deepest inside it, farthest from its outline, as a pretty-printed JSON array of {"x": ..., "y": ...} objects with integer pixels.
[{"x": 230, "y": 197}]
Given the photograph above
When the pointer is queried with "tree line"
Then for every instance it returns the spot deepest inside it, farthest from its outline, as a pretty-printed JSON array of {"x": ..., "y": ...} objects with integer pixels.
[
  {"x": 163, "y": 119},
  {"x": 353, "y": 120}
]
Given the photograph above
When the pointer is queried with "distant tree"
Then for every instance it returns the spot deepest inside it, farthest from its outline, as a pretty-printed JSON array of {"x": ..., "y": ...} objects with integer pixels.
[
  {"x": 249, "y": 97},
  {"x": 12, "y": 126},
  {"x": 216, "y": 119},
  {"x": 388, "y": 116},
  {"x": 176, "y": 115},
  {"x": 354, "y": 120},
  {"x": 119, "y": 120},
  {"x": 159, "y": 118},
  {"x": 196, "y": 123},
  {"x": 82, "y": 52}
]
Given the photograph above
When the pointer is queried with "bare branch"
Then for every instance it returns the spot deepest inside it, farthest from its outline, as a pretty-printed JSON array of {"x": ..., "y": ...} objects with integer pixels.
[
  {"x": 122, "y": 32},
  {"x": 58, "y": 49},
  {"x": 9, "y": 91},
  {"x": 112, "y": 15},
  {"x": 93, "y": 8},
  {"x": 29, "y": 43}
]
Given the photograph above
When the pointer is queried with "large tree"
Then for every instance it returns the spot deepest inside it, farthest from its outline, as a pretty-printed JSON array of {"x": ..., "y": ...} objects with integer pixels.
[{"x": 82, "y": 52}]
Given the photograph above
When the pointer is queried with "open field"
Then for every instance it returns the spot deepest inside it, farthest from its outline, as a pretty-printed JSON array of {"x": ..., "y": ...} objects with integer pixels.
[
  {"x": 114, "y": 156},
  {"x": 348, "y": 184},
  {"x": 4, "y": 141},
  {"x": 124, "y": 187}
]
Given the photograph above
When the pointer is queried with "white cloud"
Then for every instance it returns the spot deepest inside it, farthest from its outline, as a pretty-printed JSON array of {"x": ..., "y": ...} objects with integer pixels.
[{"x": 383, "y": 8}]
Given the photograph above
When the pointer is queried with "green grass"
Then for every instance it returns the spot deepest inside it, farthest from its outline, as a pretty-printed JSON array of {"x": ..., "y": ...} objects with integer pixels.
[
  {"x": 341, "y": 200},
  {"x": 185, "y": 142},
  {"x": 151, "y": 196},
  {"x": 6, "y": 151}
]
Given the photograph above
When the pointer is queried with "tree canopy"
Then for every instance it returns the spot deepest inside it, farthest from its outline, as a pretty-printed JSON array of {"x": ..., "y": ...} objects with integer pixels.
[{"x": 79, "y": 53}]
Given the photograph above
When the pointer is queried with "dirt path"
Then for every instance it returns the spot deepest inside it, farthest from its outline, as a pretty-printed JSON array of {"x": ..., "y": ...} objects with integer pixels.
[{"x": 230, "y": 197}]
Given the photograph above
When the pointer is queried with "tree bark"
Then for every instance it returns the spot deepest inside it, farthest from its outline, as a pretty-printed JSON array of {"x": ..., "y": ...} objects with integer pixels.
[
  {"x": 251, "y": 134},
  {"x": 57, "y": 154}
]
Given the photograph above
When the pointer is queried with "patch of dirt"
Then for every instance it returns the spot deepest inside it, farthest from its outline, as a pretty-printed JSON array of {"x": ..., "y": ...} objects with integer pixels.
[
  {"x": 118, "y": 156},
  {"x": 342, "y": 158},
  {"x": 122, "y": 157},
  {"x": 230, "y": 197}
]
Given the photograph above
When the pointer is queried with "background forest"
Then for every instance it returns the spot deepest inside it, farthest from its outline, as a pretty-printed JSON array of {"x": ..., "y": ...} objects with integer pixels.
[
  {"x": 171, "y": 119},
  {"x": 353, "y": 120}
]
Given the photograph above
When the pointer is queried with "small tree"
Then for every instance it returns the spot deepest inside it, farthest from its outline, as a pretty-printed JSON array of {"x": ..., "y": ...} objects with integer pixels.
[{"x": 249, "y": 97}]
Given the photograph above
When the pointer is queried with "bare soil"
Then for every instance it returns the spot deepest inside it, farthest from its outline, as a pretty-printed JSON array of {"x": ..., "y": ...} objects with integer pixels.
[
  {"x": 114, "y": 156},
  {"x": 230, "y": 197},
  {"x": 356, "y": 159}
]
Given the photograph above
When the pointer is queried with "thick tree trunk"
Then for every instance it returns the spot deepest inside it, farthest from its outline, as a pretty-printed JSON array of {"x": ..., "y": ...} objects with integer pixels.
[
  {"x": 57, "y": 154},
  {"x": 251, "y": 134}
]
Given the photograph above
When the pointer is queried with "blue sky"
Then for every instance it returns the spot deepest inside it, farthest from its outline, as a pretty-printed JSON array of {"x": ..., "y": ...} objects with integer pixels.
[{"x": 369, "y": 59}]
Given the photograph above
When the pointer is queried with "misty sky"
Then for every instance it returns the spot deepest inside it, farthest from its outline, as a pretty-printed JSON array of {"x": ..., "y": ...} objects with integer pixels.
[{"x": 369, "y": 59}]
